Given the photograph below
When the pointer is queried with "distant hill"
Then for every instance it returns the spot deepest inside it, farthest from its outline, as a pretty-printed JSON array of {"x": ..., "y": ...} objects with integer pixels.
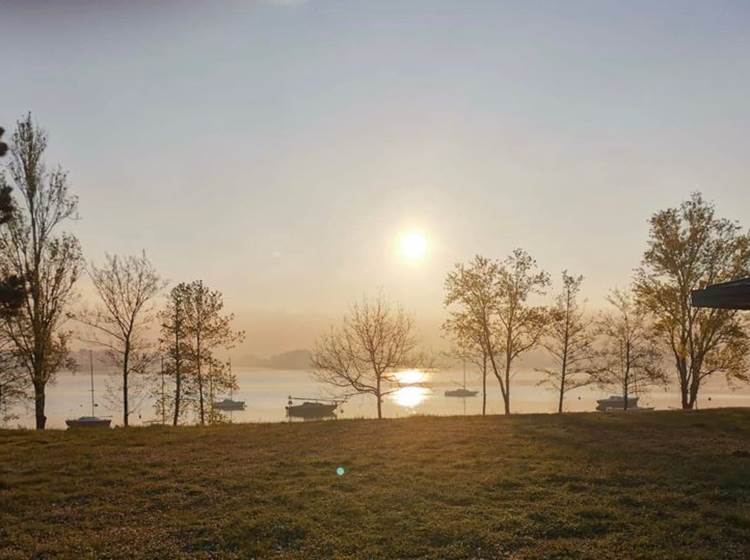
[{"x": 294, "y": 359}]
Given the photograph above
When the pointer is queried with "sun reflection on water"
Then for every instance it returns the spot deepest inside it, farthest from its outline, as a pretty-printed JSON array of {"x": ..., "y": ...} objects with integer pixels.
[{"x": 411, "y": 396}]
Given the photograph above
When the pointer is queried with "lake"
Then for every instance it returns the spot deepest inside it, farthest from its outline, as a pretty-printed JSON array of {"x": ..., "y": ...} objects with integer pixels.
[{"x": 266, "y": 392}]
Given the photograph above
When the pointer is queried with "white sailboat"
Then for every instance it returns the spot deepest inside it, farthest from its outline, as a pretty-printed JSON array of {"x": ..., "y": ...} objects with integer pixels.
[
  {"x": 463, "y": 391},
  {"x": 229, "y": 404},
  {"x": 92, "y": 421}
]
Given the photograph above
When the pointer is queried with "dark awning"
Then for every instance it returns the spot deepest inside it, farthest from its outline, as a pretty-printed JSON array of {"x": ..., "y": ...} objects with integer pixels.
[{"x": 727, "y": 295}]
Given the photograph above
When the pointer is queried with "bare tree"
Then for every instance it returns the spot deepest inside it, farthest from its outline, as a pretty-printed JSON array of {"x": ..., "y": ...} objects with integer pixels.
[
  {"x": 569, "y": 340},
  {"x": 689, "y": 248},
  {"x": 207, "y": 330},
  {"x": 126, "y": 288},
  {"x": 490, "y": 302},
  {"x": 373, "y": 343},
  {"x": 48, "y": 263},
  {"x": 629, "y": 357}
]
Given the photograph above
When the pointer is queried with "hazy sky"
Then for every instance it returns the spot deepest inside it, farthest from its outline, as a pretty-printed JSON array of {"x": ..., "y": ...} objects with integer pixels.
[{"x": 278, "y": 149}]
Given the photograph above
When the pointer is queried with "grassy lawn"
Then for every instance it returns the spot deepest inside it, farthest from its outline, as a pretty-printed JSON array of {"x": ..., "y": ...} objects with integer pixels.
[{"x": 648, "y": 485}]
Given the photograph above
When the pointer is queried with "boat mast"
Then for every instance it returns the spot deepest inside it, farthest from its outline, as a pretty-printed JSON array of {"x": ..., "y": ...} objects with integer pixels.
[{"x": 91, "y": 367}]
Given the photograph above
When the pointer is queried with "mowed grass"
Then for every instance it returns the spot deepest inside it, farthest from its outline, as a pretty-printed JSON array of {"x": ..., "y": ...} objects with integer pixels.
[{"x": 648, "y": 485}]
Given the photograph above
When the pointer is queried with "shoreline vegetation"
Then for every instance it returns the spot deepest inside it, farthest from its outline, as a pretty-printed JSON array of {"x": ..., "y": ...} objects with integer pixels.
[
  {"x": 663, "y": 484},
  {"x": 498, "y": 311}
]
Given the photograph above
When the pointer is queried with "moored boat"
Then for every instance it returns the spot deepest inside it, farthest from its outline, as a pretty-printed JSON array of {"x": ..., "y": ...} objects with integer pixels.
[
  {"x": 92, "y": 421},
  {"x": 229, "y": 404},
  {"x": 88, "y": 422},
  {"x": 461, "y": 393},
  {"x": 311, "y": 410},
  {"x": 617, "y": 402}
]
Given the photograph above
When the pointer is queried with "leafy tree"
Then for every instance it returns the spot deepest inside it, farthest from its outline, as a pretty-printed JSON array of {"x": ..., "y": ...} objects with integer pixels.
[
  {"x": 11, "y": 287},
  {"x": 489, "y": 301},
  {"x": 3, "y": 145},
  {"x": 471, "y": 324},
  {"x": 126, "y": 288},
  {"x": 569, "y": 340},
  {"x": 194, "y": 328},
  {"x": 207, "y": 330},
  {"x": 14, "y": 384},
  {"x": 374, "y": 341},
  {"x": 629, "y": 357},
  {"x": 47, "y": 262},
  {"x": 689, "y": 248},
  {"x": 174, "y": 345}
]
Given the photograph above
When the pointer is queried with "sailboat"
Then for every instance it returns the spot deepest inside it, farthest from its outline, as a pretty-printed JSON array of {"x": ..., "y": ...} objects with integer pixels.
[
  {"x": 229, "y": 404},
  {"x": 92, "y": 421},
  {"x": 463, "y": 391}
]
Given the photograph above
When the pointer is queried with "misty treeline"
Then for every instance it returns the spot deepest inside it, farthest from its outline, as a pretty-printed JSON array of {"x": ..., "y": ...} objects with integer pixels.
[
  {"x": 169, "y": 347},
  {"x": 647, "y": 334}
]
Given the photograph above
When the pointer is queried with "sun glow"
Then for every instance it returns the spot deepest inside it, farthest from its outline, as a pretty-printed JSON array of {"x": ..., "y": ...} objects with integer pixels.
[{"x": 413, "y": 246}]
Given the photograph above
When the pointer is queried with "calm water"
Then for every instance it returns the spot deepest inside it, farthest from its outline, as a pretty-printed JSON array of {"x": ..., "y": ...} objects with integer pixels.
[{"x": 265, "y": 393}]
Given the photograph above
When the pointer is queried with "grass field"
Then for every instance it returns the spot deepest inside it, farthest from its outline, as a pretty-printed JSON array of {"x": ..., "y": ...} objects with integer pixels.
[{"x": 648, "y": 485}]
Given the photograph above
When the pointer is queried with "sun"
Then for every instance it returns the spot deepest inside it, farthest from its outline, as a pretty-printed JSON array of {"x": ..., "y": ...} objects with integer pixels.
[{"x": 413, "y": 246}]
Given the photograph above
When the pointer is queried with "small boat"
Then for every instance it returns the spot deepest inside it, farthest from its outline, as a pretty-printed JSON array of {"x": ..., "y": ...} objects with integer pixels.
[
  {"x": 229, "y": 404},
  {"x": 463, "y": 391},
  {"x": 617, "y": 402},
  {"x": 88, "y": 422},
  {"x": 312, "y": 409},
  {"x": 92, "y": 421}
]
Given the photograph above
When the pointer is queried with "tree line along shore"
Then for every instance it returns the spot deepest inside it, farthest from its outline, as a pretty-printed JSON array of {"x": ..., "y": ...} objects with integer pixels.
[{"x": 498, "y": 310}]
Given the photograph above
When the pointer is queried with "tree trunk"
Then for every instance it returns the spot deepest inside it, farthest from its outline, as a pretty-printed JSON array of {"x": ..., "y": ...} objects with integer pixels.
[
  {"x": 200, "y": 400},
  {"x": 684, "y": 386},
  {"x": 380, "y": 399},
  {"x": 177, "y": 389},
  {"x": 693, "y": 395},
  {"x": 125, "y": 406},
  {"x": 484, "y": 387},
  {"x": 178, "y": 382},
  {"x": 125, "y": 368},
  {"x": 566, "y": 342},
  {"x": 41, "y": 419},
  {"x": 563, "y": 372},
  {"x": 626, "y": 383},
  {"x": 177, "y": 366},
  {"x": 506, "y": 397},
  {"x": 200, "y": 377}
]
